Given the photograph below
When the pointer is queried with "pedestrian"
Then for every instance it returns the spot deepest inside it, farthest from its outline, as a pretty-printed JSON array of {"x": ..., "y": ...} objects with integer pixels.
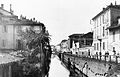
[
  {"x": 97, "y": 55},
  {"x": 60, "y": 56},
  {"x": 100, "y": 55},
  {"x": 89, "y": 52},
  {"x": 69, "y": 64},
  {"x": 114, "y": 51}
]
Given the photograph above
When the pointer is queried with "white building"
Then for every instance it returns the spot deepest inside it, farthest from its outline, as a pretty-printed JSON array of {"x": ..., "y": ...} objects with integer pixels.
[
  {"x": 102, "y": 37},
  {"x": 9, "y": 27}
]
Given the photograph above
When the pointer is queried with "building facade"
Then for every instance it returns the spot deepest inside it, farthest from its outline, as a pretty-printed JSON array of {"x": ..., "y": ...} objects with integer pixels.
[
  {"x": 10, "y": 25},
  {"x": 81, "y": 43},
  {"x": 114, "y": 36},
  {"x": 101, "y": 33},
  {"x": 64, "y": 46}
]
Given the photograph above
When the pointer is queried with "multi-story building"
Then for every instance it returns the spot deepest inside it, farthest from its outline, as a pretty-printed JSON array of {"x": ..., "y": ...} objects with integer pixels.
[
  {"x": 80, "y": 43},
  {"x": 9, "y": 27},
  {"x": 75, "y": 40},
  {"x": 114, "y": 36},
  {"x": 101, "y": 34}
]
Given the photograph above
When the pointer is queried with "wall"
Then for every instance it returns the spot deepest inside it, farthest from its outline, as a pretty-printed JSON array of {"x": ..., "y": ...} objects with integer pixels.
[
  {"x": 93, "y": 67},
  {"x": 116, "y": 42},
  {"x": 114, "y": 14},
  {"x": 7, "y": 36}
]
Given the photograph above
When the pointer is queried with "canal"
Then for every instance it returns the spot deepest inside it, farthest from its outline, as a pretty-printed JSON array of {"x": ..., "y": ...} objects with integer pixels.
[{"x": 59, "y": 69}]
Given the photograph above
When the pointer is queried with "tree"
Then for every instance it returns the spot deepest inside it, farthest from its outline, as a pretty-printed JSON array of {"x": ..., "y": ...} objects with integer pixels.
[{"x": 38, "y": 54}]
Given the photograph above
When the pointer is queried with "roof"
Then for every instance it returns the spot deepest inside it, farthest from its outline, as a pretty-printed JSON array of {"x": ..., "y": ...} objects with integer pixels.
[
  {"x": 28, "y": 22},
  {"x": 88, "y": 35},
  {"x": 104, "y": 9},
  {"x": 63, "y": 40},
  {"x": 5, "y": 12},
  {"x": 13, "y": 19},
  {"x": 75, "y": 35},
  {"x": 7, "y": 58}
]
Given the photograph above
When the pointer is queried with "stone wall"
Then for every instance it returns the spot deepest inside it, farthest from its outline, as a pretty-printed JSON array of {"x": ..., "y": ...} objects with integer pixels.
[{"x": 93, "y": 67}]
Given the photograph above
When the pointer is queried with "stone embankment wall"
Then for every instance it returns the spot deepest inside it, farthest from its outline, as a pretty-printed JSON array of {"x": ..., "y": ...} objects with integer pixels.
[{"x": 93, "y": 67}]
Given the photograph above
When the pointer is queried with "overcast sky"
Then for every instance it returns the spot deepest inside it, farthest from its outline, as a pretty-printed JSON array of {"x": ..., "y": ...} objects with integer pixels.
[{"x": 61, "y": 17}]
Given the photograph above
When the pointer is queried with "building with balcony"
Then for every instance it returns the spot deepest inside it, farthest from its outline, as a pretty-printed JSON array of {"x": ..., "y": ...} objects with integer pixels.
[
  {"x": 102, "y": 34},
  {"x": 80, "y": 43},
  {"x": 75, "y": 40}
]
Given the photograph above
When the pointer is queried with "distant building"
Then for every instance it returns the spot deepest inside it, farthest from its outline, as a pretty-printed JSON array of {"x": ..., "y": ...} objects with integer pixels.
[
  {"x": 73, "y": 39},
  {"x": 9, "y": 27},
  {"x": 64, "y": 46},
  {"x": 104, "y": 32},
  {"x": 81, "y": 42},
  {"x": 87, "y": 39}
]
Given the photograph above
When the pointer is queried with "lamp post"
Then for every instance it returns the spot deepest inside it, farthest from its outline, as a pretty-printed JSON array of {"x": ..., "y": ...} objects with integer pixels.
[{"x": 100, "y": 48}]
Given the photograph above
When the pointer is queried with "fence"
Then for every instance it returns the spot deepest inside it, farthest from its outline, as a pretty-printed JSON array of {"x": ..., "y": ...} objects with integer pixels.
[
  {"x": 74, "y": 71},
  {"x": 104, "y": 58}
]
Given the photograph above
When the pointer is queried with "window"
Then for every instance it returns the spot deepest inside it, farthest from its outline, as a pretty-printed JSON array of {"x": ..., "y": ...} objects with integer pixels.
[
  {"x": 3, "y": 43},
  {"x": 97, "y": 46},
  {"x": 103, "y": 45},
  {"x": 103, "y": 19},
  {"x": 119, "y": 34},
  {"x": 103, "y": 31},
  {"x": 94, "y": 46},
  {"x": 4, "y": 28},
  {"x": 100, "y": 21},
  {"x": 97, "y": 22},
  {"x": 113, "y": 36},
  {"x": 107, "y": 17}
]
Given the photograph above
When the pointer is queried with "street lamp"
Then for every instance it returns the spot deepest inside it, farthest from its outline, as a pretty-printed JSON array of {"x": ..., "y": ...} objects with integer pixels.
[{"x": 100, "y": 48}]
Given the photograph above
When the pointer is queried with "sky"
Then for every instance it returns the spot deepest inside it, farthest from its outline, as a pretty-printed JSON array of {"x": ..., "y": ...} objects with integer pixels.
[{"x": 61, "y": 17}]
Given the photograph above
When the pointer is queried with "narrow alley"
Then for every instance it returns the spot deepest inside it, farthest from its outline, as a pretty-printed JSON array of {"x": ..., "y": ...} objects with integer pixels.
[{"x": 57, "y": 69}]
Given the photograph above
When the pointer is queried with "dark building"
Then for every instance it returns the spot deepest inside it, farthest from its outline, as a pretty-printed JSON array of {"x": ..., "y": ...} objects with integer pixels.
[
  {"x": 75, "y": 38},
  {"x": 83, "y": 39},
  {"x": 87, "y": 39}
]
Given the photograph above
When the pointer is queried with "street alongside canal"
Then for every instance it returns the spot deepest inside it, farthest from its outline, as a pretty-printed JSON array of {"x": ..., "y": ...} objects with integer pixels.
[{"x": 57, "y": 69}]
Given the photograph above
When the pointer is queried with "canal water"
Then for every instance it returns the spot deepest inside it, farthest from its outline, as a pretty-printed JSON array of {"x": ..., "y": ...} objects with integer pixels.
[{"x": 57, "y": 69}]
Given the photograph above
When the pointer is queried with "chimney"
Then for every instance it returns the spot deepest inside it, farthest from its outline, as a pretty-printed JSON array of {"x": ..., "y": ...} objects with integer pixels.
[
  {"x": 21, "y": 16},
  {"x": 103, "y": 8},
  {"x": 115, "y": 3},
  {"x": 2, "y": 6},
  {"x": 11, "y": 11},
  {"x": 30, "y": 19},
  {"x": 111, "y": 4},
  {"x": 33, "y": 19}
]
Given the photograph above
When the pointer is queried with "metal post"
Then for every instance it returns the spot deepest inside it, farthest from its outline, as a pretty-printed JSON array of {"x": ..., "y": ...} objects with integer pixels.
[{"x": 116, "y": 59}]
